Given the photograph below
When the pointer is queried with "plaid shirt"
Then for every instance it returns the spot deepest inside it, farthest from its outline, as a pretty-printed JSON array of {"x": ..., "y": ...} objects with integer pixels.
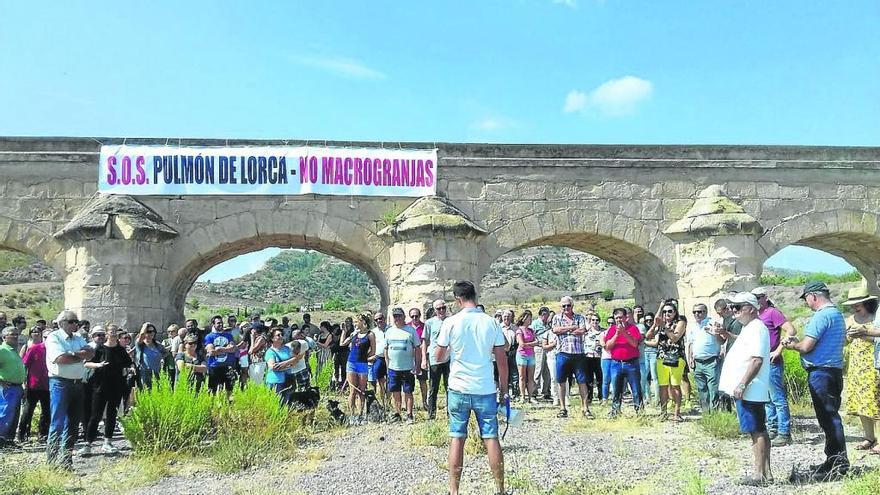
[{"x": 568, "y": 343}]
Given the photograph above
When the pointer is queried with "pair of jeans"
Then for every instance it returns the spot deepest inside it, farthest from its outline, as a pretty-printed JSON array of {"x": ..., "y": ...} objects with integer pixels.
[
  {"x": 105, "y": 400},
  {"x": 607, "y": 391},
  {"x": 623, "y": 373},
  {"x": 594, "y": 375},
  {"x": 10, "y": 401},
  {"x": 31, "y": 399},
  {"x": 485, "y": 408},
  {"x": 435, "y": 374},
  {"x": 826, "y": 386},
  {"x": 778, "y": 415},
  {"x": 651, "y": 373},
  {"x": 66, "y": 404},
  {"x": 706, "y": 374}
]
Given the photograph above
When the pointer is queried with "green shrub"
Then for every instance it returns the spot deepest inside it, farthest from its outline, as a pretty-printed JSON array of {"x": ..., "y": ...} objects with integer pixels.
[
  {"x": 322, "y": 381},
  {"x": 864, "y": 484},
  {"x": 794, "y": 377},
  {"x": 607, "y": 294},
  {"x": 802, "y": 278},
  {"x": 251, "y": 428},
  {"x": 720, "y": 424},
  {"x": 169, "y": 419}
]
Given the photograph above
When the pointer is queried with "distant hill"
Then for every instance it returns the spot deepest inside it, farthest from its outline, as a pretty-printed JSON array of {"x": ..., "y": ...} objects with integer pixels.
[{"x": 302, "y": 278}]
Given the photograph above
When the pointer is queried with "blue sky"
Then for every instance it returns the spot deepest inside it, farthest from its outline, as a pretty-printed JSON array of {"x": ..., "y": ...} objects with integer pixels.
[{"x": 536, "y": 71}]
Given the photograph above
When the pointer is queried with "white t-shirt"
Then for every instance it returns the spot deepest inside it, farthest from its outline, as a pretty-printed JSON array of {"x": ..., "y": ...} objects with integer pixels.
[
  {"x": 303, "y": 348},
  {"x": 471, "y": 337},
  {"x": 753, "y": 341}
]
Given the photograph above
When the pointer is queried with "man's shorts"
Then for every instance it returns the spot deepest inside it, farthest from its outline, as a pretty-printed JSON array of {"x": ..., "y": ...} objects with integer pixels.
[
  {"x": 667, "y": 375},
  {"x": 459, "y": 407},
  {"x": 219, "y": 377},
  {"x": 378, "y": 370},
  {"x": 566, "y": 364},
  {"x": 359, "y": 368},
  {"x": 401, "y": 380},
  {"x": 300, "y": 380},
  {"x": 752, "y": 418}
]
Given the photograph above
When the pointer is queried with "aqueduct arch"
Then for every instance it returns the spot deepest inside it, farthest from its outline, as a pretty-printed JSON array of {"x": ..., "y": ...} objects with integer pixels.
[
  {"x": 200, "y": 264},
  {"x": 850, "y": 234}
]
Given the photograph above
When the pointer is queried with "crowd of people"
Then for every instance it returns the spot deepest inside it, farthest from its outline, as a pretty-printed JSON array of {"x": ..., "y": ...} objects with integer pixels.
[{"x": 81, "y": 375}]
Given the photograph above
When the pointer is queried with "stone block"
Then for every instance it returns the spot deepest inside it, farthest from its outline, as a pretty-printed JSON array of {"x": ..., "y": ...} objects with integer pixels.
[
  {"x": 616, "y": 190},
  {"x": 768, "y": 190},
  {"x": 793, "y": 192},
  {"x": 675, "y": 209},
  {"x": 736, "y": 189},
  {"x": 823, "y": 190},
  {"x": 679, "y": 189},
  {"x": 852, "y": 191}
]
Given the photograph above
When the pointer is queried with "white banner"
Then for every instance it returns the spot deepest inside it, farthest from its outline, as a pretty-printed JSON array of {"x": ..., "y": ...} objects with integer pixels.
[{"x": 282, "y": 170}]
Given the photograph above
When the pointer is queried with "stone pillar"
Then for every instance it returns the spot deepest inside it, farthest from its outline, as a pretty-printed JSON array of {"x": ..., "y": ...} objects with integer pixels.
[
  {"x": 434, "y": 245},
  {"x": 716, "y": 250},
  {"x": 115, "y": 261}
]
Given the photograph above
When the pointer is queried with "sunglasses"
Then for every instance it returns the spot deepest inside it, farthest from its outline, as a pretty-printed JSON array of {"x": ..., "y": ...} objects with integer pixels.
[
  {"x": 594, "y": 319},
  {"x": 736, "y": 307},
  {"x": 99, "y": 335},
  {"x": 379, "y": 318},
  {"x": 35, "y": 331},
  {"x": 441, "y": 308},
  {"x": 566, "y": 305},
  {"x": 668, "y": 311},
  {"x": 698, "y": 312},
  {"x": 74, "y": 322}
]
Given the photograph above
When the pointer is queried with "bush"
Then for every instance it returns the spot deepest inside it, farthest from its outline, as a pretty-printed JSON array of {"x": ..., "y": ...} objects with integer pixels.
[
  {"x": 251, "y": 428},
  {"x": 607, "y": 294},
  {"x": 322, "y": 381},
  {"x": 169, "y": 419},
  {"x": 794, "y": 377},
  {"x": 42, "y": 479},
  {"x": 720, "y": 424}
]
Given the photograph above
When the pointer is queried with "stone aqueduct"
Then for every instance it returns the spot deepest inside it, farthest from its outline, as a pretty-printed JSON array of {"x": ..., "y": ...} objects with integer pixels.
[{"x": 685, "y": 221}]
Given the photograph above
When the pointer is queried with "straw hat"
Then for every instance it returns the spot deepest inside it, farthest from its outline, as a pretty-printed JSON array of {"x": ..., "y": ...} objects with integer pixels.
[{"x": 858, "y": 295}]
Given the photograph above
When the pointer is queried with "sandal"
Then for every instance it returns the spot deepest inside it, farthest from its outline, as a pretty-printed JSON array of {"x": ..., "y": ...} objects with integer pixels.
[
  {"x": 677, "y": 418},
  {"x": 875, "y": 450},
  {"x": 866, "y": 445},
  {"x": 589, "y": 415},
  {"x": 563, "y": 413}
]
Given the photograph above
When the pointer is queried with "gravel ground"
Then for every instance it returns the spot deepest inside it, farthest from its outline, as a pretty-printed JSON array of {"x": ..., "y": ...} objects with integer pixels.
[{"x": 596, "y": 456}]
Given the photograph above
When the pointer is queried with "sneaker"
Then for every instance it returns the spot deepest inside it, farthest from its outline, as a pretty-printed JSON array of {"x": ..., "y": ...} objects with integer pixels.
[
  {"x": 409, "y": 419},
  {"x": 781, "y": 440},
  {"x": 108, "y": 448},
  {"x": 395, "y": 418},
  {"x": 753, "y": 481},
  {"x": 85, "y": 450},
  {"x": 772, "y": 434}
]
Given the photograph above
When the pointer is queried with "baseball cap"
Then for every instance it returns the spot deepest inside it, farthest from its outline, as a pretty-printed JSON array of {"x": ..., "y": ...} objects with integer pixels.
[
  {"x": 745, "y": 298},
  {"x": 544, "y": 310},
  {"x": 759, "y": 291},
  {"x": 398, "y": 312},
  {"x": 814, "y": 286}
]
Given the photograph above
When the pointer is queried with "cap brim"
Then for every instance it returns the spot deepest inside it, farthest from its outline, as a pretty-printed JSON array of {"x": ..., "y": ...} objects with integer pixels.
[{"x": 857, "y": 301}]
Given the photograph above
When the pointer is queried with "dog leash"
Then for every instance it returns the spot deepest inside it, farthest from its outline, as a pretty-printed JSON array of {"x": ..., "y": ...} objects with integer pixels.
[{"x": 507, "y": 415}]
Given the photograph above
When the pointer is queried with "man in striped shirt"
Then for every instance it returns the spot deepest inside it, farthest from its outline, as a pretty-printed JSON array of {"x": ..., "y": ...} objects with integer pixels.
[{"x": 569, "y": 329}]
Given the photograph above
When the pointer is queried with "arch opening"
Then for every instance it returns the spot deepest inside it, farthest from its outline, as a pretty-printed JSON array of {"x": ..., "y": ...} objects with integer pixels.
[
  {"x": 639, "y": 273},
  {"x": 296, "y": 274},
  {"x": 29, "y": 287}
]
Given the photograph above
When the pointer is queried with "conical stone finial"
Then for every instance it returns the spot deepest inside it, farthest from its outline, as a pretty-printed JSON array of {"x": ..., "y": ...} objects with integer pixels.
[
  {"x": 116, "y": 217},
  {"x": 714, "y": 213},
  {"x": 432, "y": 216}
]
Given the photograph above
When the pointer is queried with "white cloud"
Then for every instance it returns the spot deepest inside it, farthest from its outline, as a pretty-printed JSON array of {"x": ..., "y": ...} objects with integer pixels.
[
  {"x": 345, "y": 67},
  {"x": 575, "y": 101},
  {"x": 491, "y": 124},
  {"x": 613, "y": 98},
  {"x": 572, "y": 4}
]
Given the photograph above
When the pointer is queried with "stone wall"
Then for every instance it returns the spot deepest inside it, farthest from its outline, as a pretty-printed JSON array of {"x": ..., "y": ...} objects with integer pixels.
[{"x": 615, "y": 202}]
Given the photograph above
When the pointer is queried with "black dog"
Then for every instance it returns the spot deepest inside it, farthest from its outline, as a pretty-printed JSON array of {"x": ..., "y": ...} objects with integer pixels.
[
  {"x": 304, "y": 400},
  {"x": 337, "y": 414},
  {"x": 375, "y": 413}
]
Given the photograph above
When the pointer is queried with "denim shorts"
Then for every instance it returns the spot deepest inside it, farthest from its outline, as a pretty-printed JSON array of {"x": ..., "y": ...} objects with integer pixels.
[
  {"x": 485, "y": 408},
  {"x": 566, "y": 364},
  {"x": 401, "y": 381},
  {"x": 752, "y": 418},
  {"x": 359, "y": 368},
  {"x": 525, "y": 360},
  {"x": 378, "y": 370}
]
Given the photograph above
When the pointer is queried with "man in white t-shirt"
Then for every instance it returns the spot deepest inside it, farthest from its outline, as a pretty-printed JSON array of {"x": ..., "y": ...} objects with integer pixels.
[
  {"x": 470, "y": 338},
  {"x": 746, "y": 377}
]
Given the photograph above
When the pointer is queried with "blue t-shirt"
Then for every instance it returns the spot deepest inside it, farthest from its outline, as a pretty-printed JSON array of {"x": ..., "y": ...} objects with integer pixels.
[
  {"x": 401, "y": 344},
  {"x": 432, "y": 330},
  {"x": 277, "y": 355},
  {"x": 151, "y": 357},
  {"x": 539, "y": 327},
  {"x": 828, "y": 327},
  {"x": 222, "y": 339}
]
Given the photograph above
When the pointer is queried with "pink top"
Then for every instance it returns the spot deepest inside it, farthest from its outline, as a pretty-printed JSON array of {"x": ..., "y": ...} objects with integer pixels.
[
  {"x": 622, "y": 349},
  {"x": 773, "y": 320},
  {"x": 419, "y": 328},
  {"x": 35, "y": 362},
  {"x": 528, "y": 336}
]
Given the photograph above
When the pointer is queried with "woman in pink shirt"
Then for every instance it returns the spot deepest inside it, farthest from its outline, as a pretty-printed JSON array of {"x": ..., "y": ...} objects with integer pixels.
[
  {"x": 37, "y": 387},
  {"x": 622, "y": 343},
  {"x": 525, "y": 356}
]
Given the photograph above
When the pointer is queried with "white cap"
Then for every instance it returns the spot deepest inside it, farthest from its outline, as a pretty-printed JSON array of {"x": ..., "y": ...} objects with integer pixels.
[
  {"x": 745, "y": 298},
  {"x": 759, "y": 291}
]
